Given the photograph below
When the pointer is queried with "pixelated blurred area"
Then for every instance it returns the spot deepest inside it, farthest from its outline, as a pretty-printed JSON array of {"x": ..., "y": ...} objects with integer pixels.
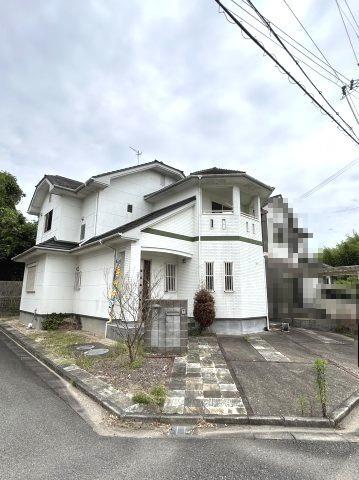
[{"x": 302, "y": 291}]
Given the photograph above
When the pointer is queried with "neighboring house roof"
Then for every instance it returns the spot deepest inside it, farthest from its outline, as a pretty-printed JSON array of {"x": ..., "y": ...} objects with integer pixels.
[
  {"x": 215, "y": 171},
  {"x": 140, "y": 221},
  {"x": 134, "y": 167}
]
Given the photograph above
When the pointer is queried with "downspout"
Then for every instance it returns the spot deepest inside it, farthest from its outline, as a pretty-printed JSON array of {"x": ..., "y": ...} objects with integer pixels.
[
  {"x": 96, "y": 213},
  {"x": 114, "y": 265},
  {"x": 199, "y": 211}
]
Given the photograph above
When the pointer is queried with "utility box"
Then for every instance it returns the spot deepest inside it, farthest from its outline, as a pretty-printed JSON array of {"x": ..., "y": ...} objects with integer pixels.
[{"x": 167, "y": 331}]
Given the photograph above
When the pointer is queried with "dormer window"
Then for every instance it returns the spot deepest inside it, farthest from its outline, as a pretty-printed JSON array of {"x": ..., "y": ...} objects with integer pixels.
[
  {"x": 48, "y": 221},
  {"x": 129, "y": 208}
]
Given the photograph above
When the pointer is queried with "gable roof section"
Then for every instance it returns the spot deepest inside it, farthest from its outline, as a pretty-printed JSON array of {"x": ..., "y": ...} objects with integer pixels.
[
  {"x": 140, "y": 221},
  {"x": 64, "y": 182},
  {"x": 140, "y": 166},
  {"x": 215, "y": 171}
]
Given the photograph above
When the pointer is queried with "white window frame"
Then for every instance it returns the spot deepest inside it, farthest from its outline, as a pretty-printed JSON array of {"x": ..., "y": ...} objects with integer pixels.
[
  {"x": 253, "y": 228},
  {"x": 171, "y": 277},
  {"x": 31, "y": 288},
  {"x": 78, "y": 278},
  {"x": 224, "y": 224},
  {"x": 209, "y": 276},
  {"x": 47, "y": 220},
  {"x": 228, "y": 277}
]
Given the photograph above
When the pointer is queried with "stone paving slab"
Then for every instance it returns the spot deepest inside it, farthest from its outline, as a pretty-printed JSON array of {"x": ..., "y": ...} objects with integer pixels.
[{"x": 201, "y": 382}]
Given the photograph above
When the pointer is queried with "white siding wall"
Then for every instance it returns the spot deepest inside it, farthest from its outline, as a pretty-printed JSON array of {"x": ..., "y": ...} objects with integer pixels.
[
  {"x": 88, "y": 213},
  {"x": 35, "y": 300},
  {"x": 96, "y": 268},
  {"x": 51, "y": 202},
  {"x": 58, "y": 284},
  {"x": 183, "y": 222},
  {"x": 175, "y": 197},
  {"x": 129, "y": 189},
  {"x": 70, "y": 219}
]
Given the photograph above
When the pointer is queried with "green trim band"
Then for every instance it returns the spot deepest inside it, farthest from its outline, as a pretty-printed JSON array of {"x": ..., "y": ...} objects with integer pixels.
[{"x": 205, "y": 238}]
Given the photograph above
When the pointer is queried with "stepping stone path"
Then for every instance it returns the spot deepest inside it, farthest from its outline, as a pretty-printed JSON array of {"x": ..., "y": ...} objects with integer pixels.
[
  {"x": 266, "y": 350},
  {"x": 201, "y": 382}
]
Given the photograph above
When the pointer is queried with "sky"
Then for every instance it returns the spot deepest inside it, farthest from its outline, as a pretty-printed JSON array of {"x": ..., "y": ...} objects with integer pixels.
[{"x": 82, "y": 81}]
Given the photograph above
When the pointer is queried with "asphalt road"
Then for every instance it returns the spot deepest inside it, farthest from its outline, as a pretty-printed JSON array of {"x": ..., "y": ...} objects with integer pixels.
[{"x": 42, "y": 437}]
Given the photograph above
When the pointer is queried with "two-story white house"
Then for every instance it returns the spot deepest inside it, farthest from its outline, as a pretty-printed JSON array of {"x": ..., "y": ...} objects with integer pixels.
[{"x": 203, "y": 229}]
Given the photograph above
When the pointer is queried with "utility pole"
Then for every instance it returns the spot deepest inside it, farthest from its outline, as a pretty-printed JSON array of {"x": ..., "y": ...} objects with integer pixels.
[{"x": 138, "y": 153}]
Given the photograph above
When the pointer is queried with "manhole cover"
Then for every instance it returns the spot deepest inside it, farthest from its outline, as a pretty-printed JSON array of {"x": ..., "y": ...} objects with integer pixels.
[
  {"x": 96, "y": 351},
  {"x": 85, "y": 347}
]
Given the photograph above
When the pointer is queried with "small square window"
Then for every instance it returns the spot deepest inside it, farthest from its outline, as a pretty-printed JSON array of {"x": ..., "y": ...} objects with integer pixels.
[
  {"x": 83, "y": 230},
  {"x": 129, "y": 208},
  {"x": 48, "y": 221}
]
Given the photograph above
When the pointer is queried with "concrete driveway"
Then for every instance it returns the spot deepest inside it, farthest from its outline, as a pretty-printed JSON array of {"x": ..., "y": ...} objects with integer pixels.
[{"x": 274, "y": 370}]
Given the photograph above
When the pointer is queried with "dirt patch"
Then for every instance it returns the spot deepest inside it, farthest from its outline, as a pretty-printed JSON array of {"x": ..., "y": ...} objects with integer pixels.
[{"x": 113, "y": 368}]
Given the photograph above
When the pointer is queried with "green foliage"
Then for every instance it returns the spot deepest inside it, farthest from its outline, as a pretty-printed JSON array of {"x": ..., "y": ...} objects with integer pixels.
[
  {"x": 137, "y": 363},
  {"x": 16, "y": 233},
  {"x": 53, "y": 321},
  {"x": 142, "y": 398},
  {"x": 156, "y": 397},
  {"x": 321, "y": 380},
  {"x": 204, "y": 310},
  {"x": 344, "y": 253},
  {"x": 303, "y": 404},
  {"x": 10, "y": 192},
  {"x": 350, "y": 281}
]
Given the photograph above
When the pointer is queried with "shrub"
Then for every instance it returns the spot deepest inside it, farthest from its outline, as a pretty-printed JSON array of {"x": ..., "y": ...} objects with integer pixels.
[
  {"x": 142, "y": 398},
  {"x": 157, "y": 396},
  {"x": 204, "y": 310},
  {"x": 321, "y": 380},
  {"x": 53, "y": 321}
]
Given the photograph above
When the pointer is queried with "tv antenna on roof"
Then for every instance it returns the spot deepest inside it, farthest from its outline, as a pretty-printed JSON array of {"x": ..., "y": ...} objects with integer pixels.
[{"x": 138, "y": 153}]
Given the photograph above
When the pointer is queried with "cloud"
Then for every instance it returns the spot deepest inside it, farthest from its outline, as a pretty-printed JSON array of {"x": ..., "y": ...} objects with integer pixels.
[{"x": 82, "y": 81}]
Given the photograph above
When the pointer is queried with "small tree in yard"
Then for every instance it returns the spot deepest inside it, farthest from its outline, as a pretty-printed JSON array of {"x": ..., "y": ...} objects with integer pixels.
[
  {"x": 131, "y": 307},
  {"x": 204, "y": 310}
]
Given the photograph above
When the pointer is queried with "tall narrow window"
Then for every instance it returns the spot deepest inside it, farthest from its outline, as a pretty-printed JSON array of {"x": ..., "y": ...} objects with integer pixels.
[
  {"x": 223, "y": 223},
  {"x": 83, "y": 230},
  {"x": 170, "y": 277},
  {"x": 210, "y": 276},
  {"x": 247, "y": 227},
  {"x": 30, "y": 279},
  {"x": 253, "y": 228},
  {"x": 129, "y": 208},
  {"x": 211, "y": 223},
  {"x": 48, "y": 221},
  {"x": 77, "y": 284},
  {"x": 228, "y": 276}
]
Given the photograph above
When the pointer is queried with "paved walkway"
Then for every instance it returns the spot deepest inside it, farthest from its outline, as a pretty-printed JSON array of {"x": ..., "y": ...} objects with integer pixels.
[{"x": 201, "y": 382}]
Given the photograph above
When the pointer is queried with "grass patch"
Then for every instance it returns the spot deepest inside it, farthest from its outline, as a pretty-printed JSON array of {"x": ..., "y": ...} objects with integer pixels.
[{"x": 156, "y": 397}]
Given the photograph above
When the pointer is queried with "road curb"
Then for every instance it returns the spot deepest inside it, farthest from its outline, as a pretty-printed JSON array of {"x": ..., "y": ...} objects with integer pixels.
[{"x": 105, "y": 396}]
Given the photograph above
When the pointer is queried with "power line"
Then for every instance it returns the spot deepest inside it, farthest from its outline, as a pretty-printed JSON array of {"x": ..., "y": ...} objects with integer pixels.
[
  {"x": 297, "y": 58},
  {"x": 329, "y": 179},
  {"x": 267, "y": 23},
  {"x": 337, "y": 73},
  {"x": 351, "y": 13},
  {"x": 350, "y": 41},
  {"x": 258, "y": 43}
]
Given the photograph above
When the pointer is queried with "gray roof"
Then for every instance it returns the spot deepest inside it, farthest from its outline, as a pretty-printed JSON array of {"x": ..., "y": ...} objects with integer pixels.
[
  {"x": 154, "y": 162},
  {"x": 57, "y": 244},
  {"x": 216, "y": 171},
  {"x": 140, "y": 221},
  {"x": 63, "y": 181}
]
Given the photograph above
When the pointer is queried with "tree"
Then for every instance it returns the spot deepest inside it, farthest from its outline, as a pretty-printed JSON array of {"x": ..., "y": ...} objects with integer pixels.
[
  {"x": 16, "y": 233},
  {"x": 132, "y": 307},
  {"x": 203, "y": 310},
  {"x": 344, "y": 253}
]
